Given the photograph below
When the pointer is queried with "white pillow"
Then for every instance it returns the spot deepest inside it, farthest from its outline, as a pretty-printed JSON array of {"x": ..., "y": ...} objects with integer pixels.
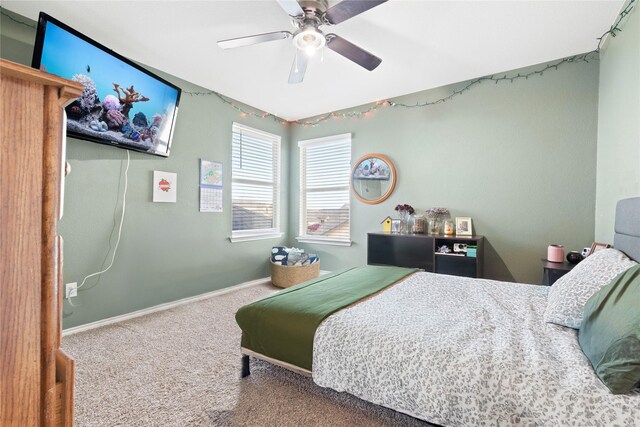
[{"x": 569, "y": 294}]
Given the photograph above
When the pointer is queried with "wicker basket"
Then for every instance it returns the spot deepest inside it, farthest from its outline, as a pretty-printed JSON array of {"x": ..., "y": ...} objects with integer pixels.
[{"x": 284, "y": 276}]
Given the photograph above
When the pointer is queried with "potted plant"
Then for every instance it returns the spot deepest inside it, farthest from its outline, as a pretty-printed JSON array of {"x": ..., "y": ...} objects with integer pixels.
[
  {"x": 435, "y": 219},
  {"x": 404, "y": 212}
]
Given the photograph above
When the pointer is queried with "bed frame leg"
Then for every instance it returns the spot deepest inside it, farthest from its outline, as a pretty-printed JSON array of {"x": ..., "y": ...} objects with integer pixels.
[{"x": 246, "y": 371}]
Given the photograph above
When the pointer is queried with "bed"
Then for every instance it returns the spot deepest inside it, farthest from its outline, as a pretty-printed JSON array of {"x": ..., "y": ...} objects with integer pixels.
[{"x": 453, "y": 350}]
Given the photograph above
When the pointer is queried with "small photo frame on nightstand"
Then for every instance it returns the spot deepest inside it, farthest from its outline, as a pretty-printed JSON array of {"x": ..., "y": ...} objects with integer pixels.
[
  {"x": 595, "y": 247},
  {"x": 463, "y": 226}
]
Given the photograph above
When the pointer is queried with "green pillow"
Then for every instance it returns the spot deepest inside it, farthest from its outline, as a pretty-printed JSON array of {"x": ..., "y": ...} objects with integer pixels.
[{"x": 610, "y": 332}]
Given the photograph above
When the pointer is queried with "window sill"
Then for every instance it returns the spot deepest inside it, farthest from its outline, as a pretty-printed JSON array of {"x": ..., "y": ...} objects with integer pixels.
[
  {"x": 250, "y": 237},
  {"x": 325, "y": 241}
]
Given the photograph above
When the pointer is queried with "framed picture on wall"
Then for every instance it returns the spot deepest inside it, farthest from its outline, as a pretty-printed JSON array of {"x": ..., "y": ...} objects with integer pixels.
[
  {"x": 595, "y": 247},
  {"x": 463, "y": 226},
  {"x": 164, "y": 186}
]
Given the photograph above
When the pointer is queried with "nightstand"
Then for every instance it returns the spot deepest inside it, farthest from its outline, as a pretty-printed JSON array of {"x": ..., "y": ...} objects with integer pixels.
[{"x": 554, "y": 270}]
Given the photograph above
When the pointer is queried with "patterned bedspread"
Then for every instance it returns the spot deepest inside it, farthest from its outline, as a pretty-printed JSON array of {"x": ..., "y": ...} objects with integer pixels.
[{"x": 457, "y": 351}]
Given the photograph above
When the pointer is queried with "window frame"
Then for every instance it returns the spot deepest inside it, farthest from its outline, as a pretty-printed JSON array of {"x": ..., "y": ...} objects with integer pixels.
[
  {"x": 302, "y": 214},
  {"x": 259, "y": 233}
]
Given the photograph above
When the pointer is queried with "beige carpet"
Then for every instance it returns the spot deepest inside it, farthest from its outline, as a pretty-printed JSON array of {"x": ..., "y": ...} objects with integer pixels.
[{"x": 180, "y": 367}]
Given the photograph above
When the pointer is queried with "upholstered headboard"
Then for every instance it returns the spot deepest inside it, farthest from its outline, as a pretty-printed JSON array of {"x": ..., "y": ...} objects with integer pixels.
[{"x": 627, "y": 230}]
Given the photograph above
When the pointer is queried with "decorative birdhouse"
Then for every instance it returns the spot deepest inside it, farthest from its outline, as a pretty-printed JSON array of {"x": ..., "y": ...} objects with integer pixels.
[{"x": 386, "y": 225}]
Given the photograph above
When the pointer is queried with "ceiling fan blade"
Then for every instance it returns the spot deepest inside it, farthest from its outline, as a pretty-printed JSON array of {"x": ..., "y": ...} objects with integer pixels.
[
  {"x": 298, "y": 68},
  {"x": 291, "y": 7},
  {"x": 353, "y": 52},
  {"x": 347, "y": 9},
  {"x": 250, "y": 40}
]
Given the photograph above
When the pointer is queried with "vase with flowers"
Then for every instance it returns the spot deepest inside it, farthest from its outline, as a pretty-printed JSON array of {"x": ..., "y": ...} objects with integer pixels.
[
  {"x": 404, "y": 212},
  {"x": 436, "y": 218}
]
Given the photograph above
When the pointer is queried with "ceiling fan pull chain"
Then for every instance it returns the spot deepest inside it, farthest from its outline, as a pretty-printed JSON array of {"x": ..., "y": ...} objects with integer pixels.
[{"x": 296, "y": 63}]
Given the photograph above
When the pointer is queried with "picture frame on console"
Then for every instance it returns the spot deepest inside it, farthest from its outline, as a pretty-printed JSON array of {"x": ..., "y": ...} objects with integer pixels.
[{"x": 463, "y": 226}]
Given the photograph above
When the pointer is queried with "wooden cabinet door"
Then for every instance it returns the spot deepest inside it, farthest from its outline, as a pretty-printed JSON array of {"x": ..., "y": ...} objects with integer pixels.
[{"x": 33, "y": 370}]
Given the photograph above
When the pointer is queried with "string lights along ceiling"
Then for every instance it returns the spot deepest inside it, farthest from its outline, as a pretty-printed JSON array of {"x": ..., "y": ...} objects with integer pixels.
[{"x": 422, "y": 44}]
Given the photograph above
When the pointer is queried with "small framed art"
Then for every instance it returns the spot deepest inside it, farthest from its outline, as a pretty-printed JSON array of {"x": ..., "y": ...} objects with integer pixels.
[
  {"x": 463, "y": 226},
  {"x": 595, "y": 247},
  {"x": 164, "y": 186}
]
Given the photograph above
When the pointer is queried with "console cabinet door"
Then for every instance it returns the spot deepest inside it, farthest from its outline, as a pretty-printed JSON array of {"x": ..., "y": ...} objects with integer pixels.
[{"x": 400, "y": 250}]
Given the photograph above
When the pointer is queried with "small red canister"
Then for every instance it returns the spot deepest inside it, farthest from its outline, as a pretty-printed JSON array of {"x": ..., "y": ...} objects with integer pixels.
[{"x": 555, "y": 253}]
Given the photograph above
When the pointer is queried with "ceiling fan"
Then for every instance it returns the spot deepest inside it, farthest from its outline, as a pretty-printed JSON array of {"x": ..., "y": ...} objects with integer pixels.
[{"x": 307, "y": 16}]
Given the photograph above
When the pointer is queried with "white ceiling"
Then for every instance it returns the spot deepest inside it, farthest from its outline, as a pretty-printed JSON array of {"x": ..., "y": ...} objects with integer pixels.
[{"x": 423, "y": 44}]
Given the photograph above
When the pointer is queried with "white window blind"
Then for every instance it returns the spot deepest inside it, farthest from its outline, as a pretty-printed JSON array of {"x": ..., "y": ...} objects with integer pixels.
[
  {"x": 255, "y": 182},
  {"x": 325, "y": 168}
]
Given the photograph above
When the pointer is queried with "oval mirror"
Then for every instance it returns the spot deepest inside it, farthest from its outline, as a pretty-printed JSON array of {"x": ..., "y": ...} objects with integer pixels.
[{"x": 373, "y": 178}]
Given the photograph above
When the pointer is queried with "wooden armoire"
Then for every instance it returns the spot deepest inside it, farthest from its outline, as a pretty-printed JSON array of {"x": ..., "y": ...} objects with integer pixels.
[{"x": 36, "y": 377}]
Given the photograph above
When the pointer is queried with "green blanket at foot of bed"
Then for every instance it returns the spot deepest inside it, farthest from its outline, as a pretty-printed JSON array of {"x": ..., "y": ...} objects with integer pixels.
[{"x": 283, "y": 325}]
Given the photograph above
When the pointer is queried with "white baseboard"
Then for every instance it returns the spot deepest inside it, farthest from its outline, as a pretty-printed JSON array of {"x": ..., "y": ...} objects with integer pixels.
[{"x": 161, "y": 307}]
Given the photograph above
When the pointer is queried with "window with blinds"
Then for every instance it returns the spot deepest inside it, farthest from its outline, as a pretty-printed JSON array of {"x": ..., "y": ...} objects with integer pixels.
[
  {"x": 255, "y": 182},
  {"x": 325, "y": 166}
]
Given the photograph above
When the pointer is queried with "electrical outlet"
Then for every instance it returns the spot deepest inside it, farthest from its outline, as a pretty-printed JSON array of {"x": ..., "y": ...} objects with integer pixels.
[{"x": 71, "y": 290}]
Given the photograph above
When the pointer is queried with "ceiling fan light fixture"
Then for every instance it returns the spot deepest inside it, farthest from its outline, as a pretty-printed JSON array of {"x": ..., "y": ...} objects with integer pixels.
[
  {"x": 307, "y": 16},
  {"x": 309, "y": 40}
]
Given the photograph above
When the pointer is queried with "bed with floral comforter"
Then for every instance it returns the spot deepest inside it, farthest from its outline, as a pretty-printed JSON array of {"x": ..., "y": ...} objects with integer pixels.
[{"x": 458, "y": 351}]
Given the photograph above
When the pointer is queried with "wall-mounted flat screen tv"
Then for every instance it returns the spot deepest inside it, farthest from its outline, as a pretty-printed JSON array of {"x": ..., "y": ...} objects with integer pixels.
[{"x": 122, "y": 105}]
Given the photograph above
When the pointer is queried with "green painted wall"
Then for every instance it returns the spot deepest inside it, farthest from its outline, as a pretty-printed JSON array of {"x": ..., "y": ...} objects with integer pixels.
[
  {"x": 168, "y": 251},
  {"x": 519, "y": 158},
  {"x": 618, "y": 125}
]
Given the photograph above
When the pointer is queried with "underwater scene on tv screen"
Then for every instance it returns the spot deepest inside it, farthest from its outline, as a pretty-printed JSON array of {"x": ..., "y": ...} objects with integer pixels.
[{"x": 120, "y": 104}]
